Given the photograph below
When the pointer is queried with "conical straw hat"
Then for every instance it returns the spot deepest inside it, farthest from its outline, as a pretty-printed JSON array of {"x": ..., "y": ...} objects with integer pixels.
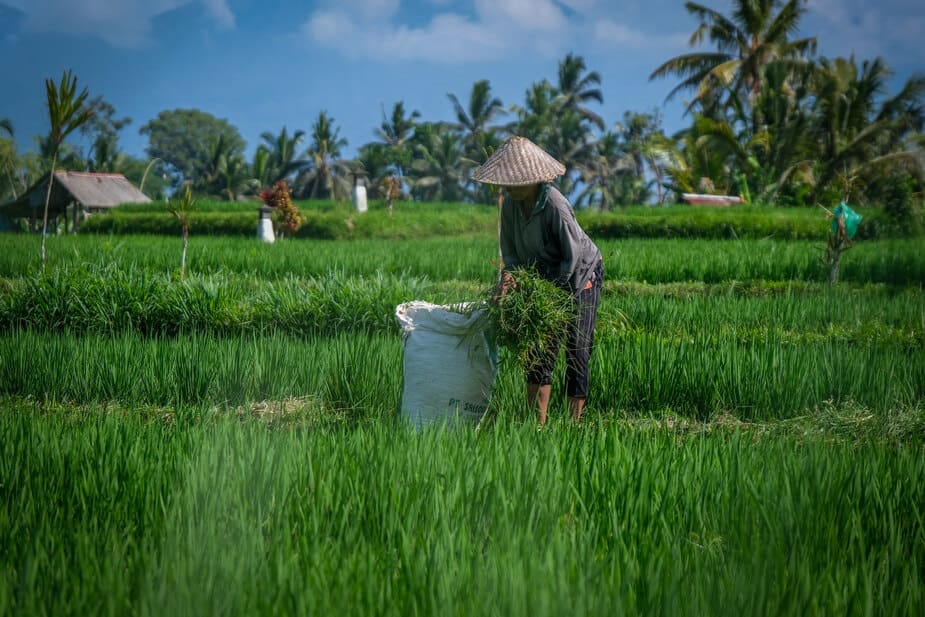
[{"x": 518, "y": 162}]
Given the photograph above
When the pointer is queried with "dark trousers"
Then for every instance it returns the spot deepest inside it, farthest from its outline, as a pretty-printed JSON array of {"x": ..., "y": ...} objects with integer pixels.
[{"x": 579, "y": 343}]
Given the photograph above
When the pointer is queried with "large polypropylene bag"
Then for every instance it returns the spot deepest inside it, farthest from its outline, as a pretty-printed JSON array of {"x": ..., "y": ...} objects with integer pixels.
[{"x": 449, "y": 363}]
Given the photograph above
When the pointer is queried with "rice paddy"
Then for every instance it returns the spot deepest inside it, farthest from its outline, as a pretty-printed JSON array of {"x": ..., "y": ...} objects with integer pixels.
[{"x": 229, "y": 442}]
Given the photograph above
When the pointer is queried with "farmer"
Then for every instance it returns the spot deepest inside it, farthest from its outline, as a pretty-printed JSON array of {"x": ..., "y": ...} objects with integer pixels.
[{"x": 539, "y": 230}]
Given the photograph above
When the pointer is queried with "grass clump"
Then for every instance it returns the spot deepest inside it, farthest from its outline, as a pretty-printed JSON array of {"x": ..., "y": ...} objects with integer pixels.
[{"x": 532, "y": 317}]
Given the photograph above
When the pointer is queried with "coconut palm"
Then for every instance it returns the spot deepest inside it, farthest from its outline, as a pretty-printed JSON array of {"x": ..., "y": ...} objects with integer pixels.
[
  {"x": 438, "y": 172},
  {"x": 472, "y": 122},
  {"x": 482, "y": 109},
  {"x": 397, "y": 129},
  {"x": 209, "y": 179},
  {"x": 377, "y": 165},
  {"x": 536, "y": 119},
  {"x": 283, "y": 161},
  {"x": 693, "y": 166},
  {"x": 603, "y": 173},
  {"x": 395, "y": 133},
  {"x": 754, "y": 35},
  {"x": 260, "y": 166},
  {"x": 645, "y": 146},
  {"x": 576, "y": 88},
  {"x": 237, "y": 177},
  {"x": 67, "y": 111},
  {"x": 859, "y": 134},
  {"x": 571, "y": 142},
  {"x": 782, "y": 136},
  {"x": 7, "y": 127},
  {"x": 327, "y": 176}
]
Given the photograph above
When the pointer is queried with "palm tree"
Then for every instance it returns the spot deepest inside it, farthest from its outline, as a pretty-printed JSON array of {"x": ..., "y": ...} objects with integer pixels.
[
  {"x": 635, "y": 131},
  {"x": 438, "y": 172},
  {"x": 601, "y": 174},
  {"x": 536, "y": 119},
  {"x": 693, "y": 166},
  {"x": 237, "y": 177},
  {"x": 645, "y": 147},
  {"x": 66, "y": 111},
  {"x": 395, "y": 132},
  {"x": 782, "y": 158},
  {"x": 105, "y": 156},
  {"x": 260, "y": 167},
  {"x": 576, "y": 89},
  {"x": 7, "y": 127},
  {"x": 377, "y": 164},
  {"x": 209, "y": 179},
  {"x": 327, "y": 175},
  {"x": 103, "y": 131},
  {"x": 283, "y": 161},
  {"x": 473, "y": 122},
  {"x": 482, "y": 109},
  {"x": 747, "y": 41},
  {"x": 571, "y": 142},
  {"x": 855, "y": 138}
]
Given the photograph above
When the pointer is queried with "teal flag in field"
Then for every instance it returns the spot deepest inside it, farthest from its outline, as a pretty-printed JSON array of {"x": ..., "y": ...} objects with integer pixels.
[{"x": 852, "y": 219}]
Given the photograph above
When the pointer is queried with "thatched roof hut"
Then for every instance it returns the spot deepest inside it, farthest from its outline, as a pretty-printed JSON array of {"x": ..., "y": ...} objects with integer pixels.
[{"x": 80, "y": 191}]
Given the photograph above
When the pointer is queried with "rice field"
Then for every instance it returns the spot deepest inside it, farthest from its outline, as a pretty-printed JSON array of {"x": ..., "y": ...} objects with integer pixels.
[{"x": 229, "y": 442}]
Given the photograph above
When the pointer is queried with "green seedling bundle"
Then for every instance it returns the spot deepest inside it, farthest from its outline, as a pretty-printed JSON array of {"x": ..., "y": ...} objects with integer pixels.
[{"x": 532, "y": 317}]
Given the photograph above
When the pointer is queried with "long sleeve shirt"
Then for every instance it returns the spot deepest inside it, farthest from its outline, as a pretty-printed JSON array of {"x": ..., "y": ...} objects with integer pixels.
[{"x": 549, "y": 239}]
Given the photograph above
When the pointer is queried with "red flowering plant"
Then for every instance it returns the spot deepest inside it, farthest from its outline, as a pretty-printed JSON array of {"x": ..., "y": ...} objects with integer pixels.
[{"x": 286, "y": 215}]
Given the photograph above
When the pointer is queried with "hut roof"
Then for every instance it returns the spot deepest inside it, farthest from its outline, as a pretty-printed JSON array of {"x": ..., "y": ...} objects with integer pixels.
[{"x": 91, "y": 190}]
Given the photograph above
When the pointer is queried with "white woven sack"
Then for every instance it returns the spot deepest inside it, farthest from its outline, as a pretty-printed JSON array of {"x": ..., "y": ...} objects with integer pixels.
[{"x": 449, "y": 363}]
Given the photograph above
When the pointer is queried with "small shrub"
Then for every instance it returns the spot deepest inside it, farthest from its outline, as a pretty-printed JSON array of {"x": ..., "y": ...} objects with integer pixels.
[{"x": 286, "y": 215}]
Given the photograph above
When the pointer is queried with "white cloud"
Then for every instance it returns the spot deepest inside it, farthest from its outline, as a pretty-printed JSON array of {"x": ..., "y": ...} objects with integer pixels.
[
  {"x": 221, "y": 12},
  {"x": 497, "y": 26},
  {"x": 618, "y": 35},
  {"x": 447, "y": 39},
  {"x": 522, "y": 15},
  {"x": 122, "y": 23},
  {"x": 331, "y": 27},
  {"x": 581, "y": 6},
  {"x": 845, "y": 27},
  {"x": 363, "y": 10}
]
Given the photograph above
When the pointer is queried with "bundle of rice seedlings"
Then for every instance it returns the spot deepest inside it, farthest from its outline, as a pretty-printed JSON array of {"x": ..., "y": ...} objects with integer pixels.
[{"x": 531, "y": 317}]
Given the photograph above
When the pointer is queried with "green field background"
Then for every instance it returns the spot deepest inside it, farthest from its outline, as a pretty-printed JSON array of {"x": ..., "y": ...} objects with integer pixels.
[{"x": 228, "y": 440}]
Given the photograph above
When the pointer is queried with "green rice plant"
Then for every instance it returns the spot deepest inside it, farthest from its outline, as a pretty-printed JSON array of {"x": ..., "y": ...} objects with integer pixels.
[
  {"x": 531, "y": 317},
  {"x": 469, "y": 257},
  {"x": 326, "y": 219},
  {"x": 107, "y": 513},
  {"x": 112, "y": 300},
  {"x": 205, "y": 370},
  {"x": 632, "y": 373},
  {"x": 701, "y": 377}
]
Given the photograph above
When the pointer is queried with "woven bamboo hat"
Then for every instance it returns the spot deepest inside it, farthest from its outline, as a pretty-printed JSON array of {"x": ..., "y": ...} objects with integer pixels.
[{"x": 518, "y": 162}]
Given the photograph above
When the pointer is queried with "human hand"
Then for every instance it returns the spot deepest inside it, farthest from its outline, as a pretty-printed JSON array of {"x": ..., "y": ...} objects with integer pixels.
[{"x": 505, "y": 284}]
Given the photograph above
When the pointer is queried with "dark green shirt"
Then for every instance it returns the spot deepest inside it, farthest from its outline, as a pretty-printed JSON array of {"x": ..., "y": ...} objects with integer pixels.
[{"x": 550, "y": 239}]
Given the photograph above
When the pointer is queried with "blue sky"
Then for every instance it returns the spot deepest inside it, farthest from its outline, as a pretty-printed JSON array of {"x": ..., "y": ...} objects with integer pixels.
[{"x": 265, "y": 64}]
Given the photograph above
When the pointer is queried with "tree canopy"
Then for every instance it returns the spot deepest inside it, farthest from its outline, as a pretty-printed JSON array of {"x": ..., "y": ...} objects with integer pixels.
[
  {"x": 185, "y": 139},
  {"x": 766, "y": 119}
]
